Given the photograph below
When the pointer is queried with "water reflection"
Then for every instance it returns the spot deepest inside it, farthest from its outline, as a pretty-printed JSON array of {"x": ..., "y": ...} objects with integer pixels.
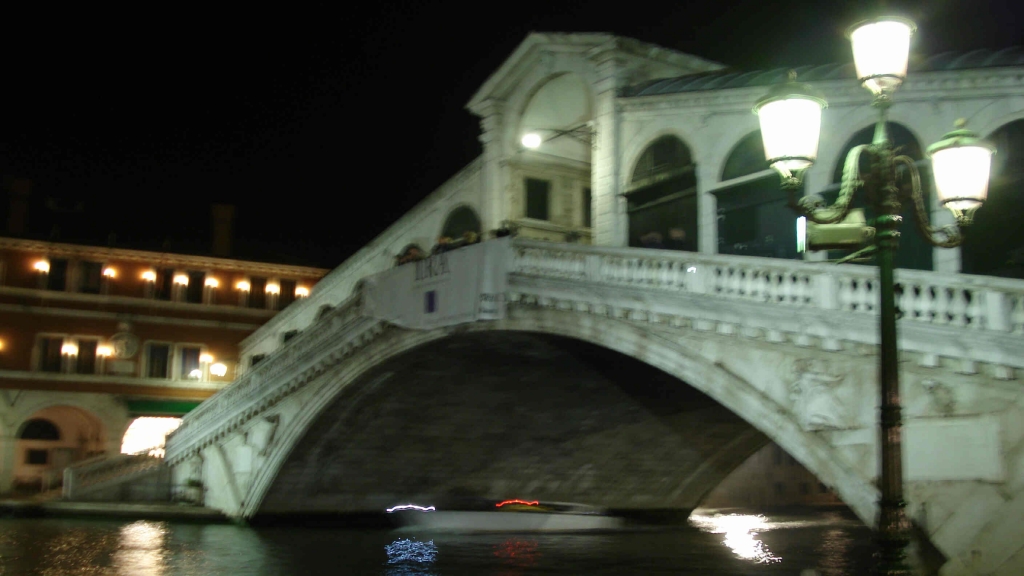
[
  {"x": 517, "y": 553},
  {"x": 141, "y": 549},
  {"x": 410, "y": 558},
  {"x": 740, "y": 531}
]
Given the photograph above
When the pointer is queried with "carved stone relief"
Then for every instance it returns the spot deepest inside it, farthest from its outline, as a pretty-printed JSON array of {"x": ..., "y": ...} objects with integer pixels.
[
  {"x": 817, "y": 395},
  {"x": 940, "y": 396}
]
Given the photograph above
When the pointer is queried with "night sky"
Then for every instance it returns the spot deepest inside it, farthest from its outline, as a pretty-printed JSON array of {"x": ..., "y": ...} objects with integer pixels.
[{"x": 324, "y": 123}]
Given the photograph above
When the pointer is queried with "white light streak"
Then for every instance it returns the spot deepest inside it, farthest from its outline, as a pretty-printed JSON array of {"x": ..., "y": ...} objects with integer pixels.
[{"x": 411, "y": 507}]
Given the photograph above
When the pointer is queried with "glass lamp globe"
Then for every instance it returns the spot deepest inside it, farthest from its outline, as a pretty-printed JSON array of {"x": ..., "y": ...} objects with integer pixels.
[
  {"x": 961, "y": 163},
  {"x": 531, "y": 140},
  {"x": 790, "y": 118},
  {"x": 881, "y": 48}
]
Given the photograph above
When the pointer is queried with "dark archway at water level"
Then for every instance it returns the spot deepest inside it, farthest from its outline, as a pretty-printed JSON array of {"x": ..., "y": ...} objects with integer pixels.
[{"x": 513, "y": 415}]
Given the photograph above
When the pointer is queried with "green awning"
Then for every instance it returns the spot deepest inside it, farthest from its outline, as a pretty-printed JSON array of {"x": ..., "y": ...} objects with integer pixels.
[{"x": 160, "y": 407}]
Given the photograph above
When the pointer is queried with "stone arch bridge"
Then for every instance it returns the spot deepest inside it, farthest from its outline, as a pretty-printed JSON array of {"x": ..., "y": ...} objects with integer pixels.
[{"x": 355, "y": 414}]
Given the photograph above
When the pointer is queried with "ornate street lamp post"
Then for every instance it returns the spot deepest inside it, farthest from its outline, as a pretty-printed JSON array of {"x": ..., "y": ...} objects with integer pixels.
[{"x": 790, "y": 117}]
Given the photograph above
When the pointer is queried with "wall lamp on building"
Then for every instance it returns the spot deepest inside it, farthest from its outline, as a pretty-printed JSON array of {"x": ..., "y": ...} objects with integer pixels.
[
  {"x": 149, "y": 276},
  {"x": 273, "y": 289},
  {"x": 534, "y": 139},
  {"x": 243, "y": 286},
  {"x": 301, "y": 292},
  {"x": 211, "y": 283},
  {"x": 69, "y": 349},
  {"x": 218, "y": 370},
  {"x": 790, "y": 118},
  {"x": 109, "y": 273},
  {"x": 181, "y": 279},
  {"x": 42, "y": 266}
]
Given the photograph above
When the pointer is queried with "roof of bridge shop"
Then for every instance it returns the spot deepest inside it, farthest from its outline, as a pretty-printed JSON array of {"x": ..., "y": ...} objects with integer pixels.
[{"x": 722, "y": 79}]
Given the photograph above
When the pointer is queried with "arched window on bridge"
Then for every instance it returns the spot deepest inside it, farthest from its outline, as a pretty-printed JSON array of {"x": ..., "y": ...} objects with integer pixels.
[
  {"x": 994, "y": 245},
  {"x": 662, "y": 197},
  {"x": 754, "y": 218},
  {"x": 459, "y": 221},
  {"x": 914, "y": 251}
]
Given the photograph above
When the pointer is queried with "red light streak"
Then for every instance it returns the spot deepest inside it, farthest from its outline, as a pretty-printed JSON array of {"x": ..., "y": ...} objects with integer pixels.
[{"x": 500, "y": 504}]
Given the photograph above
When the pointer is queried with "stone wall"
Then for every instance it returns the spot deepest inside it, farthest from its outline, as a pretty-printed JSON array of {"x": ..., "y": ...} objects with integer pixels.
[{"x": 514, "y": 416}]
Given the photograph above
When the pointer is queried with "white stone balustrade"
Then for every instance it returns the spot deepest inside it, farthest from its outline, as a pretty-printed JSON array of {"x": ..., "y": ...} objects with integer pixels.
[{"x": 781, "y": 299}]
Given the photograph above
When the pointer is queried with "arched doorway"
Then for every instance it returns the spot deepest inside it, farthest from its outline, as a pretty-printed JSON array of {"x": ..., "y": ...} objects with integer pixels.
[
  {"x": 52, "y": 439},
  {"x": 914, "y": 251},
  {"x": 995, "y": 243},
  {"x": 147, "y": 435},
  {"x": 754, "y": 218},
  {"x": 662, "y": 197}
]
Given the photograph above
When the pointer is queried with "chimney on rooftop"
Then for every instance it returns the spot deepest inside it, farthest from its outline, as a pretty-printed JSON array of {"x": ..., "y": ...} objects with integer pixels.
[
  {"x": 17, "y": 219},
  {"x": 223, "y": 217}
]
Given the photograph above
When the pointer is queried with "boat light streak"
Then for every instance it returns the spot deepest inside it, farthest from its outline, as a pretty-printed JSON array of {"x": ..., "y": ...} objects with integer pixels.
[
  {"x": 411, "y": 507},
  {"x": 500, "y": 504}
]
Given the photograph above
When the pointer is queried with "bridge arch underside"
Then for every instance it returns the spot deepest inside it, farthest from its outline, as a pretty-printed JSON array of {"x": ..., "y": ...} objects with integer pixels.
[{"x": 497, "y": 415}]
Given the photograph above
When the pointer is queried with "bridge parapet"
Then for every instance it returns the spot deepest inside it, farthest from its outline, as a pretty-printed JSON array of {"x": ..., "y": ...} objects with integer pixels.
[
  {"x": 779, "y": 300},
  {"x": 960, "y": 300}
]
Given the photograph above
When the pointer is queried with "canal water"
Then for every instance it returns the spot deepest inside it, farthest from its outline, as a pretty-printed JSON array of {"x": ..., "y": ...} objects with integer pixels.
[{"x": 833, "y": 543}]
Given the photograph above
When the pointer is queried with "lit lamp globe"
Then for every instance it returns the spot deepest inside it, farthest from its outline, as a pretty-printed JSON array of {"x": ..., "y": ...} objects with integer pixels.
[
  {"x": 531, "y": 140},
  {"x": 961, "y": 163},
  {"x": 880, "y": 51},
  {"x": 790, "y": 118}
]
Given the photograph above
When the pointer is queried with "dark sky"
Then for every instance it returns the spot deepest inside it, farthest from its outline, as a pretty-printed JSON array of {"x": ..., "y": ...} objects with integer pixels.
[{"x": 324, "y": 123}]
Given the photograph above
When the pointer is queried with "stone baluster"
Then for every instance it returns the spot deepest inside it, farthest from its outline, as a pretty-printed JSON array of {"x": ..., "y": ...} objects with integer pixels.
[
  {"x": 940, "y": 304},
  {"x": 958, "y": 307},
  {"x": 996, "y": 310}
]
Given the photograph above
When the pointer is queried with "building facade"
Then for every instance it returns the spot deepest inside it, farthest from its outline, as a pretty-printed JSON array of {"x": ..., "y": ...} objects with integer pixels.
[{"x": 92, "y": 338}]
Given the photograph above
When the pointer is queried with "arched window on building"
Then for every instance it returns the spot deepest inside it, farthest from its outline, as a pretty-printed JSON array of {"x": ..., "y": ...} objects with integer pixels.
[
  {"x": 754, "y": 218},
  {"x": 662, "y": 196},
  {"x": 914, "y": 251},
  {"x": 39, "y": 429},
  {"x": 994, "y": 245},
  {"x": 459, "y": 221}
]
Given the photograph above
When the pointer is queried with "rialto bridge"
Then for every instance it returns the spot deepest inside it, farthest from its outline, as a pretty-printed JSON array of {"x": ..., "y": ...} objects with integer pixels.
[{"x": 637, "y": 378}]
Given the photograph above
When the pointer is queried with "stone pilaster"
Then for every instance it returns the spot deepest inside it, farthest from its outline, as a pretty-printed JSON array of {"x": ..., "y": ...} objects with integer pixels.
[
  {"x": 608, "y": 208},
  {"x": 707, "y": 210},
  {"x": 493, "y": 193}
]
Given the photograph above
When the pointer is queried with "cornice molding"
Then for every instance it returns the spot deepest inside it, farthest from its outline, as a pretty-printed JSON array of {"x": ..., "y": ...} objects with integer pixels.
[
  {"x": 925, "y": 86},
  {"x": 162, "y": 258}
]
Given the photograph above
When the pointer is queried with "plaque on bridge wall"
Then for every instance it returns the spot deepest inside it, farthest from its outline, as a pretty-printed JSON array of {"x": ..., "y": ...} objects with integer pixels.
[{"x": 462, "y": 285}]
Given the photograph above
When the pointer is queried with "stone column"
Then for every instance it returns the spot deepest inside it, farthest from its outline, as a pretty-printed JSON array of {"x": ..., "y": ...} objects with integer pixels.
[
  {"x": 707, "y": 210},
  {"x": 8, "y": 453},
  {"x": 815, "y": 178},
  {"x": 493, "y": 193},
  {"x": 608, "y": 208}
]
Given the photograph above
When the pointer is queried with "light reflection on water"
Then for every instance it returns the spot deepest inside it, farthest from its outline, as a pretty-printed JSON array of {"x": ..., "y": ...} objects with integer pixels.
[
  {"x": 141, "y": 549},
  {"x": 740, "y": 531},
  {"x": 55, "y": 547}
]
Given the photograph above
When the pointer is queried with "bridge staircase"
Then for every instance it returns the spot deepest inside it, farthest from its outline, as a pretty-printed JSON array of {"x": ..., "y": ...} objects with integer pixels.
[{"x": 123, "y": 477}]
